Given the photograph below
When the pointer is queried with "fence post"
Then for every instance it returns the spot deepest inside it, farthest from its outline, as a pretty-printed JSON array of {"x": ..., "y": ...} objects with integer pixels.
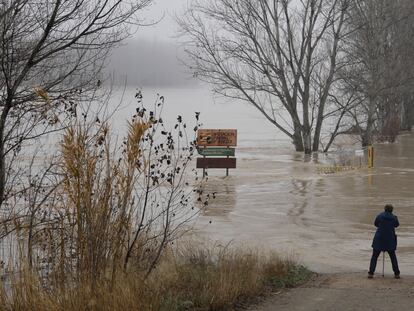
[{"x": 370, "y": 156}]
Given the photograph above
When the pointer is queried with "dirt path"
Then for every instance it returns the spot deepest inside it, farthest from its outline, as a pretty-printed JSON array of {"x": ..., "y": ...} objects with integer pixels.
[{"x": 340, "y": 292}]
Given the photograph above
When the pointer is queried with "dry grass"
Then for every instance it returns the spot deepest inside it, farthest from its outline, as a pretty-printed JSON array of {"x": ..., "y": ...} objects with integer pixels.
[{"x": 189, "y": 279}]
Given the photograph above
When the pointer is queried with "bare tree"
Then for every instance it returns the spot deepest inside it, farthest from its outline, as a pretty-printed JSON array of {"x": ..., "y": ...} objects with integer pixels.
[
  {"x": 50, "y": 52},
  {"x": 395, "y": 108},
  {"x": 280, "y": 56},
  {"x": 380, "y": 65}
]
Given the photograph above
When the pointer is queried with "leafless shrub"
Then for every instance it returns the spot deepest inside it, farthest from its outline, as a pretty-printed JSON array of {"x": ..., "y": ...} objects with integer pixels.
[
  {"x": 110, "y": 209},
  {"x": 52, "y": 50}
]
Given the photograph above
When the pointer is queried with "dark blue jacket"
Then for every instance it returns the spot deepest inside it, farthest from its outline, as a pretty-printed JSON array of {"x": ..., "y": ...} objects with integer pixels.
[{"x": 385, "y": 238}]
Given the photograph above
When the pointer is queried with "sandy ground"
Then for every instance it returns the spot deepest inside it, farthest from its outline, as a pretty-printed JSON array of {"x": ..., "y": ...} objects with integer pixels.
[{"x": 343, "y": 292}]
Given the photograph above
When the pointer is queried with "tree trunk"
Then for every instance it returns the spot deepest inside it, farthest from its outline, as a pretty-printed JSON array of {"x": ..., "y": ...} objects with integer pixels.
[
  {"x": 407, "y": 115},
  {"x": 297, "y": 139},
  {"x": 307, "y": 141},
  {"x": 2, "y": 168},
  {"x": 317, "y": 135},
  {"x": 367, "y": 137},
  {"x": 3, "y": 119}
]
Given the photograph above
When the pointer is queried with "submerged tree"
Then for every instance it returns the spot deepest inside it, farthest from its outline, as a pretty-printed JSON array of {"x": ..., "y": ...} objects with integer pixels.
[
  {"x": 52, "y": 51},
  {"x": 280, "y": 56}
]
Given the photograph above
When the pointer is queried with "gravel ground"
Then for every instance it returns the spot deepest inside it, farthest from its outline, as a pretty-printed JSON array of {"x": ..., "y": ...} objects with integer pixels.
[{"x": 340, "y": 292}]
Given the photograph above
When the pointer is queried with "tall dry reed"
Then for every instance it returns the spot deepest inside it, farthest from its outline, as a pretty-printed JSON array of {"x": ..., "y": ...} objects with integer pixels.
[
  {"x": 191, "y": 278},
  {"x": 109, "y": 208}
]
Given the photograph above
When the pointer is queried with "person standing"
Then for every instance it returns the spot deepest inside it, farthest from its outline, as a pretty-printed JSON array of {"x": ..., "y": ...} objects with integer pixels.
[{"x": 385, "y": 240}]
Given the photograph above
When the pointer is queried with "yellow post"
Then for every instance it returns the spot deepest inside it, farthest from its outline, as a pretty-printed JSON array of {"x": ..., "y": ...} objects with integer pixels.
[{"x": 370, "y": 156}]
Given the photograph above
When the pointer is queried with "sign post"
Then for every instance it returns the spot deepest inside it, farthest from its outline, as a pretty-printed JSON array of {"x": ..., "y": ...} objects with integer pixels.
[
  {"x": 212, "y": 143},
  {"x": 227, "y": 169},
  {"x": 204, "y": 169}
]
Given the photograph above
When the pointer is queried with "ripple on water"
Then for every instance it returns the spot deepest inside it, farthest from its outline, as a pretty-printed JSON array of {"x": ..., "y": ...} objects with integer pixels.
[{"x": 282, "y": 202}]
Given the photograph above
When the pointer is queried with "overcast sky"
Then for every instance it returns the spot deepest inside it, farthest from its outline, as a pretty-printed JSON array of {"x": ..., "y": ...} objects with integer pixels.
[{"x": 166, "y": 28}]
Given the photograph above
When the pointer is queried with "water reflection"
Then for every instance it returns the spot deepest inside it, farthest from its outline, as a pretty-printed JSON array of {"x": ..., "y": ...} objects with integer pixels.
[
  {"x": 224, "y": 190},
  {"x": 284, "y": 203}
]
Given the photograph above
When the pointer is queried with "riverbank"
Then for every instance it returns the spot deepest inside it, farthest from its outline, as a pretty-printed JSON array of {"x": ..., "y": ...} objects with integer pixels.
[
  {"x": 187, "y": 278},
  {"x": 345, "y": 292}
]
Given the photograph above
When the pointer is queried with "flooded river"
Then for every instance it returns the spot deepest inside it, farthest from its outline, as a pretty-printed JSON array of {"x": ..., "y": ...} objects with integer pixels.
[{"x": 276, "y": 200}]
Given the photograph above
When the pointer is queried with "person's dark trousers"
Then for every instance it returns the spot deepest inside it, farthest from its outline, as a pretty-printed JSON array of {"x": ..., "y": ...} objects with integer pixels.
[{"x": 374, "y": 258}]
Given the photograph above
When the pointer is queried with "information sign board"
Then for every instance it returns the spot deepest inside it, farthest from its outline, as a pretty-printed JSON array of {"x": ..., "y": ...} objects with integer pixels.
[{"x": 216, "y": 138}]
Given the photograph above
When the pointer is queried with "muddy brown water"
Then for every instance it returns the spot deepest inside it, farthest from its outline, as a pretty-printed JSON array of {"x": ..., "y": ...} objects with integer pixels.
[{"x": 276, "y": 200}]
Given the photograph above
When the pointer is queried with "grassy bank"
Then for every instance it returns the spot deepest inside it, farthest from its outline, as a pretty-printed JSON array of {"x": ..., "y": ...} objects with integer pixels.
[{"x": 189, "y": 279}]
